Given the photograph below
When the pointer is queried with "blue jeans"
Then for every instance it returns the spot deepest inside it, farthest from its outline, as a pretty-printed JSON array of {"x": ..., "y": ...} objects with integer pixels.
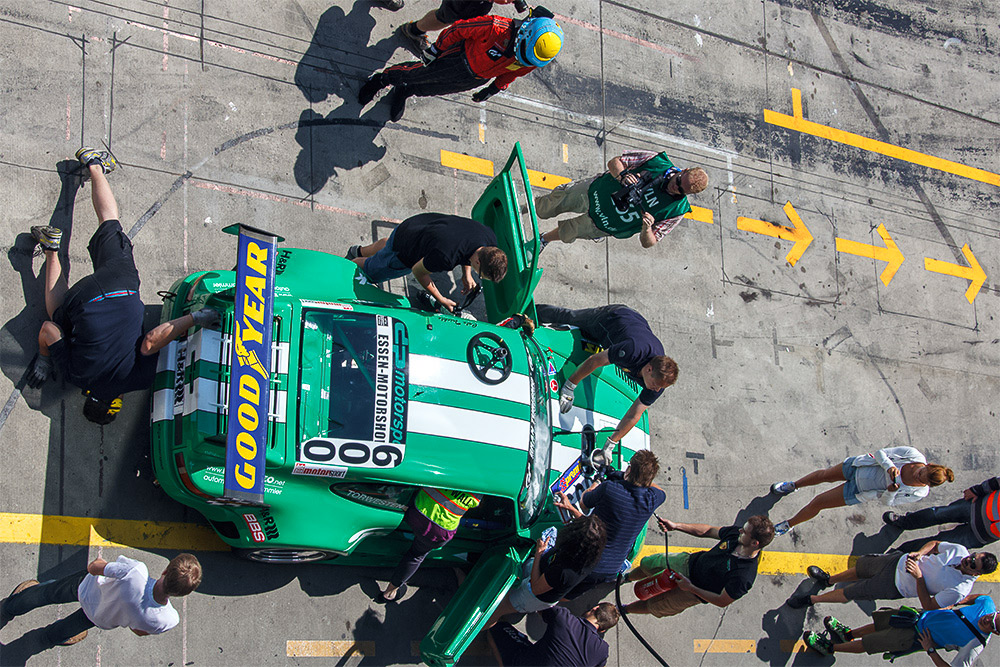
[
  {"x": 959, "y": 512},
  {"x": 385, "y": 264},
  {"x": 56, "y": 591}
]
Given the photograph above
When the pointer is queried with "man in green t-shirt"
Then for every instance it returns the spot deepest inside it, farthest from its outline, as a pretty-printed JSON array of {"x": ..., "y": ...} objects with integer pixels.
[{"x": 661, "y": 207}]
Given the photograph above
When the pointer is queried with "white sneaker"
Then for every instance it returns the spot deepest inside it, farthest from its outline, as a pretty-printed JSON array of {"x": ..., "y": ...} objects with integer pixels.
[{"x": 781, "y": 528}]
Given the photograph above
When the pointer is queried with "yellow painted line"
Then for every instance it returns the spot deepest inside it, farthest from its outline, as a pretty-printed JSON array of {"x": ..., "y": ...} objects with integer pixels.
[
  {"x": 799, "y": 124},
  {"x": 701, "y": 214},
  {"x": 539, "y": 179},
  {"x": 476, "y": 165},
  {"x": 889, "y": 254},
  {"x": 790, "y": 562},
  {"x": 95, "y": 531},
  {"x": 798, "y": 233},
  {"x": 973, "y": 273},
  {"x": 328, "y": 649},
  {"x": 725, "y": 646}
]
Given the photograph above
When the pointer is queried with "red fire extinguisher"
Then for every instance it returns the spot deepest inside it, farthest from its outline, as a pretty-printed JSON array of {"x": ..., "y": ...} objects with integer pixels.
[{"x": 658, "y": 583}]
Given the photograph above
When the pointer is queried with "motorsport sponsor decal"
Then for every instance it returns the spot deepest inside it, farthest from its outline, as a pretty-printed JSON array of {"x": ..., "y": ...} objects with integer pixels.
[
  {"x": 387, "y": 445},
  {"x": 214, "y": 475},
  {"x": 370, "y": 499},
  {"x": 567, "y": 483},
  {"x": 250, "y": 363},
  {"x": 181, "y": 360},
  {"x": 552, "y": 368},
  {"x": 327, "y": 304},
  {"x": 553, "y": 385},
  {"x": 316, "y": 470},
  {"x": 262, "y": 529}
]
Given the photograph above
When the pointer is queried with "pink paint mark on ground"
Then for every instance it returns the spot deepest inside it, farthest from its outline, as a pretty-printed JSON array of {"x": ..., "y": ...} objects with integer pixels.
[
  {"x": 627, "y": 38},
  {"x": 267, "y": 196},
  {"x": 163, "y": 147},
  {"x": 71, "y": 10},
  {"x": 67, "y": 116}
]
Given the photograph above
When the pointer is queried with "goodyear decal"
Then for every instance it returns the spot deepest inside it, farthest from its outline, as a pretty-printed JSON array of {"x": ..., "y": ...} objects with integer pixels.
[{"x": 249, "y": 386}]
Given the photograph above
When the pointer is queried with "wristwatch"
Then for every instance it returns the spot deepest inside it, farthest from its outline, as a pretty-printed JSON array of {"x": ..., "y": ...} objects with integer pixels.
[{"x": 931, "y": 651}]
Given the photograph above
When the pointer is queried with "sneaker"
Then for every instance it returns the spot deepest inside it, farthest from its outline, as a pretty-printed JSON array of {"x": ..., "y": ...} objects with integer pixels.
[
  {"x": 89, "y": 156},
  {"x": 889, "y": 518},
  {"x": 818, "y": 643},
  {"x": 372, "y": 85},
  {"x": 819, "y": 574},
  {"x": 17, "y": 589},
  {"x": 418, "y": 40},
  {"x": 781, "y": 528},
  {"x": 353, "y": 252},
  {"x": 47, "y": 237},
  {"x": 839, "y": 632},
  {"x": 398, "y": 105},
  {"x": 393, "y": 5},
  {"x": 382, "y": 599},
  {"x": 75, "y": 639},
  {"x": 782, "y": 488},
  {"x": 799, "y": 601}
]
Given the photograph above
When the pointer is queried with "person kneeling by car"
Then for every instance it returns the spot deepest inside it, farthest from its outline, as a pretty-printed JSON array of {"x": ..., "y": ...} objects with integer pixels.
[
  {"x": 430, "y": 243},
  {"x": 568, "y": 639},
  {"x": 434, "y": 517}
]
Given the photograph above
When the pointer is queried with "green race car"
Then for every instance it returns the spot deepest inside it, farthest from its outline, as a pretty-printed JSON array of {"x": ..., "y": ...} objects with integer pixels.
[{"x": 368, "y": 398}]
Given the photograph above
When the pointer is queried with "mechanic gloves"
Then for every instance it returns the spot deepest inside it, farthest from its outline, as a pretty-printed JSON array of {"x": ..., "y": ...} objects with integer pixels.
[
  {"x": 485, "y": 93},
  {"x": 566, "y": 397},
  {"x": 40, "y": 371}
]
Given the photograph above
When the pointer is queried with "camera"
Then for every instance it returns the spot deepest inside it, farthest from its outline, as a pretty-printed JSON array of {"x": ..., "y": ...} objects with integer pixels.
[
  {"x": 631, "y": 195},
  {"x": 521, "y": 6}
]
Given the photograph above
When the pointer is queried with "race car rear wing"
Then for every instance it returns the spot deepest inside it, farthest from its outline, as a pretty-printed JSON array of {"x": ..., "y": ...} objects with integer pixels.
[{"x": 499, "y": 208}]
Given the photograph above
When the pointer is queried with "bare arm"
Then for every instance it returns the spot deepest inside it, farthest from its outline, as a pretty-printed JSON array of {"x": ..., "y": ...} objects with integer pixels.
[
  {"x": 718, "y": 599},
  {"x": 423, "y": 277},
  {"x": 589, "y": 365},
  {"x": 646, "y": 237},
  {"x": 696, "y": 529},
  {"x": 161, "y": 335},
  {"x": 630, "y": 419},
  {"x": 96, "y": 566}
]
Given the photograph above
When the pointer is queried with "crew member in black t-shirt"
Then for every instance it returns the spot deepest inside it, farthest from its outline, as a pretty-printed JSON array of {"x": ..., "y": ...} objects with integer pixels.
[
  {"x": 94, "y": 334},
  {"x": 628, "y": 343},
  {"x": 720, "y": 576},
  {"x": 430, "y": 243},
  {"x": 568, "y": 639}
]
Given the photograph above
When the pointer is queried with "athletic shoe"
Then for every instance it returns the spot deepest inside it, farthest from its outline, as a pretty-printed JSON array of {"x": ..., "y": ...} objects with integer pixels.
[
  {"x": 839, "y": 632},
  {"x": 17, "y": 589},
  {"x": 418, "y": 40},
  {"x": 372, "y": 85},
  {"x": 890, "y": 518},
  {"x": 393, "y": 5},
  {"x": 47, "y": 237},
  {"x": 353, "y": 252},
  {"x": 819, "y": 574},
  {"x": 782, "y": 488},
  {"x": 89, "y": 156},
  {"x": 75, "y": 639},
  {"x": 382, "y": 599},
  {"x": 818, "y": 643},
  {"x": 398, "y": 104},
  {"x": 781, "y": 528},
  {"x": 799, "y": 601}
]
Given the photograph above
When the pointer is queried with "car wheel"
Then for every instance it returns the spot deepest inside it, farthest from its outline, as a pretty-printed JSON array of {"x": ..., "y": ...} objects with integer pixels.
[{"x": 284, "y": 555}]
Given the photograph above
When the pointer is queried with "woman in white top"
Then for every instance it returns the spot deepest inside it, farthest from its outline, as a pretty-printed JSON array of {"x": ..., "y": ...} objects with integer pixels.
[{"x": 897, "y": 475}]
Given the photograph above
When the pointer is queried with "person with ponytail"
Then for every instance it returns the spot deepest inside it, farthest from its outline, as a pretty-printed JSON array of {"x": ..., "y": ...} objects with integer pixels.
[{"x": 896, "y": 475}]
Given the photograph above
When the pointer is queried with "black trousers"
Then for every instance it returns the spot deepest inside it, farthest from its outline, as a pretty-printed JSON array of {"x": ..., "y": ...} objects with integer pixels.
[
  {"x": 591, "y": 321},
  {"x": 447, "y": 74},
  {"x": 412, "y": 559},
  {"x": 57, "y": 591}
]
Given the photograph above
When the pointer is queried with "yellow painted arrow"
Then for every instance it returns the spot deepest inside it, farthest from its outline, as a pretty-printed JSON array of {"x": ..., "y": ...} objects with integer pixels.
[
  {"x": 973, "y": 272},
  {"x": 890, "y": 253},
  {"x": 799, "y": 233}
]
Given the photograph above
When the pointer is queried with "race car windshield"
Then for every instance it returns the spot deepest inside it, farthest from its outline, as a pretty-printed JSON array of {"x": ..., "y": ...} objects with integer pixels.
[
  {"x": 532, "y": 497},
  {"x": 345, "y": 357}
]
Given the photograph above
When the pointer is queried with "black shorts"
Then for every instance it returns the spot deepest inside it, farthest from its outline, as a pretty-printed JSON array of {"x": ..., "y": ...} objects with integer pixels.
[
  {"x": 877, "y": 576},
  {"x": 456, "y": 10},
  {"x": 114, "y": 271}
]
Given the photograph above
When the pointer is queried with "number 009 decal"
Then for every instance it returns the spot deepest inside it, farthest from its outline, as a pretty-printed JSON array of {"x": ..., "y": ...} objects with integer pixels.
[{"x": 352, "y": 453}]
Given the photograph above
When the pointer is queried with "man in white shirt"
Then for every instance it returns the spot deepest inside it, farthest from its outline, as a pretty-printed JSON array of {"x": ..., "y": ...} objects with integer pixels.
[
  {"x": 940, "y": 574},
  {"x": 111, "y": 595}
]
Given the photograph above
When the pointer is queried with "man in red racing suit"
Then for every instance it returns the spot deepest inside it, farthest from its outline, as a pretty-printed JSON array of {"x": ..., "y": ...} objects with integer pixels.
[{"x": 467, "y": 55}]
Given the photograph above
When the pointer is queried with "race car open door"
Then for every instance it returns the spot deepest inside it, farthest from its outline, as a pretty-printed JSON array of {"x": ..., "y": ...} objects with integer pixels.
[
  {"x": 499, "y": 208},
  {"x": 471, "y": 607}
]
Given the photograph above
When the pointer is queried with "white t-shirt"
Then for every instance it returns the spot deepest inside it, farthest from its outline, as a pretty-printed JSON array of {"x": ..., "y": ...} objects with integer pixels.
[
  {"x": 123, "y": 598},
  {"x": 943, "y": 579}
]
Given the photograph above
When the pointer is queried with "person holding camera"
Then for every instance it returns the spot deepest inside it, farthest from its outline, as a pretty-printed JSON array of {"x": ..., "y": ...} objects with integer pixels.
[
  {"x": 651, "y": 193},
  {"x": 467, "y": 55}
]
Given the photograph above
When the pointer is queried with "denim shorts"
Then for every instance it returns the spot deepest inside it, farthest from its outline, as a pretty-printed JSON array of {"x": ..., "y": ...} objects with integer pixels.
[
  {"x": 521, "y": 597},
  {"x": 385, "y": 264},
  {"x": 851, "y": 487}
]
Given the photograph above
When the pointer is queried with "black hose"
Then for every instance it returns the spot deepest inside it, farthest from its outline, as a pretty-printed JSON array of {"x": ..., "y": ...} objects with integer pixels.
[{"x": 624, "y": 615}]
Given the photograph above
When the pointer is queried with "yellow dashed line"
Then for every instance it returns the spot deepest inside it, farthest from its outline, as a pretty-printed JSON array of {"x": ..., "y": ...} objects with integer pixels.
[
  {"x": 539, "y": 179},
  {"x": 799, "y": 124},
  {"x": 701, "y": 214},
  {"x": 476, "y": 165},
  {"x": 328, "y": 649}
]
